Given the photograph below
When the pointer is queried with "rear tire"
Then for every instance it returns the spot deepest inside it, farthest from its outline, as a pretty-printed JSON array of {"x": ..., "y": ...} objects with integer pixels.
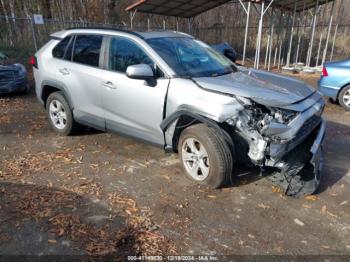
[
  {"x": 205, "y": 155},
  {"x": 344, "y": 97},
  {"x": 60, "y": 115},
  {"x": 332, "y": 101}
]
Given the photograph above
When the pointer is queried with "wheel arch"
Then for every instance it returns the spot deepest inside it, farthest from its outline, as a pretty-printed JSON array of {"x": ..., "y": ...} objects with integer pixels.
[
  {"x": 341, "y": 89},
  {"x": 173, "y": 125},
  {"x": 48, "y": 87}
]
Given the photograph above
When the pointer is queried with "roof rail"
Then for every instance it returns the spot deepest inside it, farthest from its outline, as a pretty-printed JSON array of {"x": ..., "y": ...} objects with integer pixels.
[{"x": 105, "y": 28}]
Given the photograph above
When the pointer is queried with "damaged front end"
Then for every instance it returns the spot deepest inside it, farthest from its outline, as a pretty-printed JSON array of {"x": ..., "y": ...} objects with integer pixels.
[{"x": 285, "y": 140}]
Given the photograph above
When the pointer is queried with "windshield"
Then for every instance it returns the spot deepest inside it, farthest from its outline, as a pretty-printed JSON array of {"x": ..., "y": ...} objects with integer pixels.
[{"x": 191, "y": 58}]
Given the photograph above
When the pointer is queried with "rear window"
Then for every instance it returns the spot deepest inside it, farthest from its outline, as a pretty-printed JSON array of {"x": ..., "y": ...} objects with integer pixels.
[
  {"x": 87, "y": 49},
  {"x": 60, "y": 49}
]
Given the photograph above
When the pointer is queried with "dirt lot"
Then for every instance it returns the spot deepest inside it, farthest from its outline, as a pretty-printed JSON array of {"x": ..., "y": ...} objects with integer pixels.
[{"x": 100, "y": 193}]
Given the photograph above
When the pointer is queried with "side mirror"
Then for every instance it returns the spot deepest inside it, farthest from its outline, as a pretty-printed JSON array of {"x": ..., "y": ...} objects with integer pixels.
[{"x": 142, "y": 72}]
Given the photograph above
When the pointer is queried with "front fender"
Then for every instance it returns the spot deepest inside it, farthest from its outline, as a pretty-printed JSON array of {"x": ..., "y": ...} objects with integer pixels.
[{"x": 172, "y": 130}]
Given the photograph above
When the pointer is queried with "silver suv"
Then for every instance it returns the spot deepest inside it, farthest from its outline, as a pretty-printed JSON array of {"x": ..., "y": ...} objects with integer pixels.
[{"x": 176, "y": 92}]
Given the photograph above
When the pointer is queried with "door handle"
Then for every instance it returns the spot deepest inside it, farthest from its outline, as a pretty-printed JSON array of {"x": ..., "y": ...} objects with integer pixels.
[
  {"x": 64, "y": 71},
  {"x": 109, "y": 85}
]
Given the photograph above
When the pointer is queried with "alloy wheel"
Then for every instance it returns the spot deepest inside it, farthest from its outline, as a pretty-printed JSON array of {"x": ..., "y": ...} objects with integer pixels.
[
  {"x": 58, "y": 114},
  {"x": 346, "y": 98},
  {"x": 195, "y": 159}
]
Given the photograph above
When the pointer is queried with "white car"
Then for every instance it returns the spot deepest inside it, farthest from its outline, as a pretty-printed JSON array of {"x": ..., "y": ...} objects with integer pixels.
[{"x": 177, "y": 93}]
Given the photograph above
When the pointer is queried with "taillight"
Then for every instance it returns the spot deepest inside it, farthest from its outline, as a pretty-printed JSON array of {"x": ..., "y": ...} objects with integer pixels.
[
  {"x": 33, "y": 61},
  {"x": 324, "y": 71}
]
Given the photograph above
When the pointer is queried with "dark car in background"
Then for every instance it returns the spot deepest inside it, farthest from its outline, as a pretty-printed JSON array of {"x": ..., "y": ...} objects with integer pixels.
[
  {"x": 13, "y": 78},
  {"x": 226, "y": 50}
]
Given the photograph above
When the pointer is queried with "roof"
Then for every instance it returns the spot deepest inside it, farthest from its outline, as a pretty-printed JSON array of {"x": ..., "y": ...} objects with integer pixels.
[
  {"x": 90, "y": 30},
  {"x": 160, "y": 34},
  {"x": 188, "y": 9},
  {"x": 144, "y": 35}
]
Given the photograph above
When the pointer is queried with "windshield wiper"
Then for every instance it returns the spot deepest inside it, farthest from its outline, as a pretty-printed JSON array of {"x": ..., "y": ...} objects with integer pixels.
[{"x": 221, "y": 74}]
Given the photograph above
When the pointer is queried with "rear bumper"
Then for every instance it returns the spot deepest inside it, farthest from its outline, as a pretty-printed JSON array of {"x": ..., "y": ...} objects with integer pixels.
[{"x": 328, "y": 91}]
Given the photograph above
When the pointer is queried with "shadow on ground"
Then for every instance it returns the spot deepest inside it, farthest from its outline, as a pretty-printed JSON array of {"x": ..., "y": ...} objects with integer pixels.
[
  {"x": 39, "y": 220},
  {"x": 336, "y": 147}
]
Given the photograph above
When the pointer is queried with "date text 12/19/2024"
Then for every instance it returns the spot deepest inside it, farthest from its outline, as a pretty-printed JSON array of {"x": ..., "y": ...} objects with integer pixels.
[{"x": 173, "y": 258}]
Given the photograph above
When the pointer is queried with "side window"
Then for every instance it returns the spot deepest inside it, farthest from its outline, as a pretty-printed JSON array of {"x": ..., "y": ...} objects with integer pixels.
[
  {"x": 87, "y": 49},
  {"x": 60, "y": 48},
  {"x": 123, "y": 53}
]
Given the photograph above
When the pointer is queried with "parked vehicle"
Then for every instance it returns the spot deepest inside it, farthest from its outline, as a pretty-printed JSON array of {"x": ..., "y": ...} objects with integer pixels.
[
  {"x": 177, "y": 93},
  {"x": 335, "y": 82},
  {"x": 226, "y": 50},
  {"x": 13, "y": 78}
]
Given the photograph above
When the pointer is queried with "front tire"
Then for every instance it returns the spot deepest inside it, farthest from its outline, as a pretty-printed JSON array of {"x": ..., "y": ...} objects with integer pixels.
[
  {"x": 344, "y": 98},
  {"x": 60, "y": 115},
  {"x": 332, "y": 101},
  {"x": 205, "y": 155}
]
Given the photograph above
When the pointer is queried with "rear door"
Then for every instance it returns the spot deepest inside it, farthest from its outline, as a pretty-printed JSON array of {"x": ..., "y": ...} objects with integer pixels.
[
  {"x": 52, "y": 69},
  {"x": 133, "y": 107},
  {"x": 82, "y": 75}
]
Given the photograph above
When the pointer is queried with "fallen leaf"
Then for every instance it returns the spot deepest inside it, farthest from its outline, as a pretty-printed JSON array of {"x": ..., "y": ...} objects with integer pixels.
[
  {"x": 312, "y": 198},
  {"x": 166, "y": 177},
  {"x": 343, "y": 203},
  {"x": 298, "y": 222},
  {"x": 263, "y": 206},
  {"x": 276, "y": 189},
  {"x": 331, "y": 214},
  {"x": 61, "y": 232}
]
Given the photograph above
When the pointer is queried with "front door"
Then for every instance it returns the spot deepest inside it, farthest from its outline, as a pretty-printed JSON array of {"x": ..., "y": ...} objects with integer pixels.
[{"x": 133, "y": 107}]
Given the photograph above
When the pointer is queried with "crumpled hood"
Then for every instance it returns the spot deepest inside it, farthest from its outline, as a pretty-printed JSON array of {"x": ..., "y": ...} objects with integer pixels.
[{"x": 264, "y": 88}]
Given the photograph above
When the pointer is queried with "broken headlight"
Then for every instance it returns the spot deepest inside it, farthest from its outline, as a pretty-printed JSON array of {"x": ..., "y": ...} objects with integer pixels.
[{"x": 283, "y": 116}]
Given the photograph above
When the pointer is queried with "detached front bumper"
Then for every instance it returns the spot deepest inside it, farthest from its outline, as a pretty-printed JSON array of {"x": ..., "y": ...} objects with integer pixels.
[
  {"x": 277, "y": 151},
  {"x": 299, "y": 172},
  {"x": 317, "y": 158}
]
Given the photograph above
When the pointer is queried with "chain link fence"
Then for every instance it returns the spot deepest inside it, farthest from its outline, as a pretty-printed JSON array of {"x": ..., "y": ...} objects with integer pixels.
[
  {"x": 23, "y": 36},
  {"x": 234, "y": 35}
]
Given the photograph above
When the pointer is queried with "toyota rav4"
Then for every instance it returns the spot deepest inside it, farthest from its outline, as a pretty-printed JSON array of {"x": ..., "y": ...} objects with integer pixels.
[{"x": 176, "y": 92}]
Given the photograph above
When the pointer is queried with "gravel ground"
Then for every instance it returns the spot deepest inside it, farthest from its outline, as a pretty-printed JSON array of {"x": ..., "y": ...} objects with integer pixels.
[{"x": 99, "y": 193}]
